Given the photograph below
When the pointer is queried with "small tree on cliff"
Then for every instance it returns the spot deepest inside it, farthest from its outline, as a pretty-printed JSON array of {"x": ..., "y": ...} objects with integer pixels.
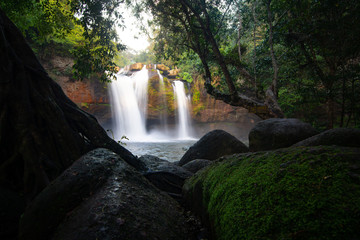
[{"x": 42, "y": 132}]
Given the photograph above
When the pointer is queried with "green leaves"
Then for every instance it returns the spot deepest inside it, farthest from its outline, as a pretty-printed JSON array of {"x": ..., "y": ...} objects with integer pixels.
[{"x": 84, "y": 28}]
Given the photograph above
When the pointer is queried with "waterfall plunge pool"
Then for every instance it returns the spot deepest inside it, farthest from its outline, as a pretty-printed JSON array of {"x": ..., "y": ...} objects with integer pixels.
[{"x": 171, "y": 151}]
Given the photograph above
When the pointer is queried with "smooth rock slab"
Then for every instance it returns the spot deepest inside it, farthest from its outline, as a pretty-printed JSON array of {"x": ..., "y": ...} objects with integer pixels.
[
  {"x": 101, "y": 197},
  {"x": 213, "y": 145},
  {"x": 277, "y": 133}
]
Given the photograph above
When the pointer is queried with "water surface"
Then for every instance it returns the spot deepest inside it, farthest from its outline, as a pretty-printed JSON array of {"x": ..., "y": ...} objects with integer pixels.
[{"x": 167, "y": 150}]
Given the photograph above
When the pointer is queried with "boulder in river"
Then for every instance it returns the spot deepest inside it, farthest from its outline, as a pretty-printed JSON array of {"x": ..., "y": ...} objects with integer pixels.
[
  {"x": 213, "y": 145},
  {"x": 347, "y": 137},
  {"x": 102, "y": 197},
  {"x": 277, "y": 133}
]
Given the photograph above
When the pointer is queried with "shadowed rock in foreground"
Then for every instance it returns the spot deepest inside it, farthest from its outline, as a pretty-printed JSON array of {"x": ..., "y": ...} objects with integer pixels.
[{"x": 102, "y": 197}]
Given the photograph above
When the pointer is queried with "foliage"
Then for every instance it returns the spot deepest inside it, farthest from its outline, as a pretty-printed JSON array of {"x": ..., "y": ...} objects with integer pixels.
[
  {"x": 310, "y": 51},
  {"x": 186, "y": 76},
  {"x": 196, "y": 96},
  {"x": 83, "y": 28},
  {"x": 304, "y": 193},
  {"x": 145, "y": 57}
]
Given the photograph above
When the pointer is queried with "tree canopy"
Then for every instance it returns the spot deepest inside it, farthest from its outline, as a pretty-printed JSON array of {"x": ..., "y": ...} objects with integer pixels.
[
  {"x": 83, "y": 28},
  {"x": 302, "y": 54}
]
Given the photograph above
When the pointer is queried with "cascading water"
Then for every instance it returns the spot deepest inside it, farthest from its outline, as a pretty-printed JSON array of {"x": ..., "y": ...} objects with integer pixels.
[
  {"x": 128, "y": 97},
  {"x": 129, "y": 100},
  {"x": 184, "y": 125}
]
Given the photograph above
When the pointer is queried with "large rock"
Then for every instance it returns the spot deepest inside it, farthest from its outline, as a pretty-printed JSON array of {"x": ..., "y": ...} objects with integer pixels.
[
  {"x": 289, "y": 193},
  {"x": 276, "y": 133},
  {"x": 12, "y": 205},
  {"x": 196, "y": 165},
  {"x": 136, "y": 67},
  {"x": 213, "y": 145},
  {"x": 173, "y": 73},
  {"x": 165, "y": 175},
  {"x": 347, "y": 137},
  {"x": 101, "y": 197},
  {"x": 162, "y": 67}
]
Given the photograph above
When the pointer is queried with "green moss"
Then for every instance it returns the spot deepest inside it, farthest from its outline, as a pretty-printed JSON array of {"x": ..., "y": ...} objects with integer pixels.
[
  {"x": 85, "y": 105},
  {"x": 198, "y": 108},
  {"x": 196, "y": 96},
  {"x": 302, "y": 193}
]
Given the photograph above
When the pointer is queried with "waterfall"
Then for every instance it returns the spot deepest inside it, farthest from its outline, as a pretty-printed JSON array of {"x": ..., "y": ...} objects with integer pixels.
[
  {"x": 184, "y": 125},
  {"x": 128, "y": 97},
  {"x": 129, "y": 102}
]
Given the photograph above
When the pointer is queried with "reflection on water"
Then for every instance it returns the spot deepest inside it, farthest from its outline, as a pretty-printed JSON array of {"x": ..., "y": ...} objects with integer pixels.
[{"x": 169, "y": 150}]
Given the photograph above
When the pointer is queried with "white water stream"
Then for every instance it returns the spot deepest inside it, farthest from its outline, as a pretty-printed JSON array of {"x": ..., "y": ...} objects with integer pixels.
[
  {"x": 183, "y": 102},
  {"x": 128, "y": 97}
]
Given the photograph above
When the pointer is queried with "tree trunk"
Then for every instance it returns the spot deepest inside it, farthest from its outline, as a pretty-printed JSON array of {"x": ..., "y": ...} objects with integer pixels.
[
  {"x": 254, "y": 40},
  {"x": 205, "y": 27},
  {"x": 42, "y": 132},
  {"x": 239, "y": 36},
  {"x": 272, "y": 52}
]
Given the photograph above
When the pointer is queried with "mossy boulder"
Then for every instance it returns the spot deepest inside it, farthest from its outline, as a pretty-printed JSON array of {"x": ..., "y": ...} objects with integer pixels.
[
  {"x": 293, "y": 193},
  {"x": 277, "y": 133}
]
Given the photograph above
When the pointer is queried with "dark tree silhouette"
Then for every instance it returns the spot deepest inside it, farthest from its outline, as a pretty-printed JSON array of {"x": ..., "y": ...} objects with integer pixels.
[{"x": 42, "y": 132}]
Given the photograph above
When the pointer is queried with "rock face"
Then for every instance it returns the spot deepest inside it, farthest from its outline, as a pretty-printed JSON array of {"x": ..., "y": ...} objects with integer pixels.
[
  {"x": 213, "y": 145},
  {"x": 102, "y": 197},
  {"x": 347, "y": 137},
  {"x": 162, "y": 67},
  {"x": 278, "y": 133},
  {"x": 165, "y": 175},
  {"x": 290, "y": 193},
  {"x": 135, "y": 67},
  {"x": 207, "y": 113},
  {"x": 90, "y": 94}
]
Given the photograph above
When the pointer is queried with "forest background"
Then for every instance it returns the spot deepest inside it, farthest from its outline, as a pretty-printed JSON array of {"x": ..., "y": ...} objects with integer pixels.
[{"x": 306, "y": 53}]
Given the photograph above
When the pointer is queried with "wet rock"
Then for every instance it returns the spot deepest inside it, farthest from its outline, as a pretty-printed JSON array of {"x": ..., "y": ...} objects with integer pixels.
[
  {"x": 101, "y": 197},
  {"x": 196, "y": 165},
  {"x": 276, "y": 133},
  {"x": 347, "y": 137},
  {"x": 165, "y": 175},
  {"x": 213, "y": 145}
]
